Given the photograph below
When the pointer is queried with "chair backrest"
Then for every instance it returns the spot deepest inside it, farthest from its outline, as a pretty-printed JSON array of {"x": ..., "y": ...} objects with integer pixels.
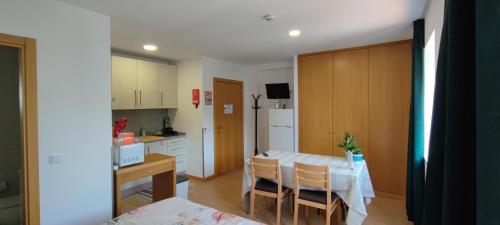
[
  {"x": 267, "y": 169},
  {"x": 312, "y": 176}
]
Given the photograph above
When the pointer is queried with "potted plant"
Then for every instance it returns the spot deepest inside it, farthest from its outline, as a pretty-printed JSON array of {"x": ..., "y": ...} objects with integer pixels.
[{"x": 349, "y": 144}]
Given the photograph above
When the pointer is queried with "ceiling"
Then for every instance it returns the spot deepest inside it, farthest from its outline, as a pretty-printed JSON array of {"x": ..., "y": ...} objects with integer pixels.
[{"x": 233, "y": 30}]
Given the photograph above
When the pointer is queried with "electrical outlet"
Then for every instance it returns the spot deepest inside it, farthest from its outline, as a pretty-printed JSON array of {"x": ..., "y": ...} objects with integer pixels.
[{"x": 55, "y": 158}]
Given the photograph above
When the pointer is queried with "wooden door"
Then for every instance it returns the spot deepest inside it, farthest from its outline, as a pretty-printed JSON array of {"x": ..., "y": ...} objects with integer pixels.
[
  {"x": 389, "y": 81},
  {"x": 350, "y": 98},
  {"x": 228, "y": 125},
  {"x": 124, "y": 83},
  {"x": 149, "y": 90},
  {"x": 315, "y": 104},
  {"x": 168, "y": 85}
]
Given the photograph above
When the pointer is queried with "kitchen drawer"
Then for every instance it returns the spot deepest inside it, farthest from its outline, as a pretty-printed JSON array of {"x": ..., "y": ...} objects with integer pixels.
[
  {"x": 176, "y": 150},
  {"x": 180, "y": 167},
  {"x": 180, "y": 159},
  {"x": 146, "y": 172},
  {"x": 180, "y": 164},
  {"x": 176, "y": 141}
]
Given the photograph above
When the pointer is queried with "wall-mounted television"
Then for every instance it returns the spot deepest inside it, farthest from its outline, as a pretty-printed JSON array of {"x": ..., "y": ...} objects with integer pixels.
[{"x": 278, "y": 91}]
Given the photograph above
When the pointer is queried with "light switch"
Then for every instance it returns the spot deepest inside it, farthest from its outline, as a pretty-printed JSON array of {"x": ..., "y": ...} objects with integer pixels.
[{"x": 55, "y": 158}]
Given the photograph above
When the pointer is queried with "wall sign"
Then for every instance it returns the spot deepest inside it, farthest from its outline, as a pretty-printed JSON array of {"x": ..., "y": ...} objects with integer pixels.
[
  {"x": 228, "y": 108},
  {"x": 208, "y": 98}
]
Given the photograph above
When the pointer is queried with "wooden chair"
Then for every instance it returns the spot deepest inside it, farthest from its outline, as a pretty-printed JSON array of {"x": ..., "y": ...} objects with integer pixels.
[
  {"x": 263, "y": 171},
  {"x": 315, "y": 177}
]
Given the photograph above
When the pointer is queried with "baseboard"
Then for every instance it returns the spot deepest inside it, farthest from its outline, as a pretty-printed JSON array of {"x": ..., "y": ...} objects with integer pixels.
[
  {"x": 390, "y": 195},
  {"x": 199, "y": 179},
  {"x": 195, "y": 178},
  {"x": 209, "y": 178}
]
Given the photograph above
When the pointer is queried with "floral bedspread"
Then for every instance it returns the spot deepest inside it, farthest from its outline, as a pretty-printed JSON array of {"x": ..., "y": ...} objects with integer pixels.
[{"x": 178, "y": 211}]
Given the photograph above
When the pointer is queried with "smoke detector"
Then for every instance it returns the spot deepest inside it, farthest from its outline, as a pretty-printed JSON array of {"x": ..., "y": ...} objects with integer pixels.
[{"x": 269, "y": 18}]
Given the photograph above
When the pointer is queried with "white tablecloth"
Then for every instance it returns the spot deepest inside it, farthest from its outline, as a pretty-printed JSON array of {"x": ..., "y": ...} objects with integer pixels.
[{"x": 353, "y": 186}]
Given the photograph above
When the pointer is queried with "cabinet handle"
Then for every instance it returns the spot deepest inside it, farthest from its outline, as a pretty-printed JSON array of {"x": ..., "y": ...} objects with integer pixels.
[
  {"x": 135, "y": 96},
  {"x": 140, "y": 97},
  {"x": 161, "y": 98}
]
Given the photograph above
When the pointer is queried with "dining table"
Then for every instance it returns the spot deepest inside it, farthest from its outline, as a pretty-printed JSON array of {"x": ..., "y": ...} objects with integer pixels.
[{"x": 350, "y": 181}]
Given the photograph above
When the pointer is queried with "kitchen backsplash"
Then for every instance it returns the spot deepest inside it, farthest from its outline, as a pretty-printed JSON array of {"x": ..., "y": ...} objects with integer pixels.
[{"x": 149, "y": 119}]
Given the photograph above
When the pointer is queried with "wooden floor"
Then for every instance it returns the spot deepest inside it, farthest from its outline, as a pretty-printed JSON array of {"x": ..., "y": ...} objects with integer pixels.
[{"x": 224, "y": 193}]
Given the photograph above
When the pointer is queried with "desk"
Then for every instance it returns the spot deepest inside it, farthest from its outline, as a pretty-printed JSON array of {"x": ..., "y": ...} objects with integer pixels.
[{"x": 160, "y": 167}]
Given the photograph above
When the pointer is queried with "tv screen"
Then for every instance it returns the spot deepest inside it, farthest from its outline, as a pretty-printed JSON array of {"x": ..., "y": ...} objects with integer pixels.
[{"x": 278, "y": 91}]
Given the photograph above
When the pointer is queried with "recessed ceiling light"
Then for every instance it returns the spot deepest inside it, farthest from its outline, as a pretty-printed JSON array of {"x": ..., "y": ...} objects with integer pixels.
[
  {"x": 294, "y": 33},
  {"x": 150, "y": 47}
]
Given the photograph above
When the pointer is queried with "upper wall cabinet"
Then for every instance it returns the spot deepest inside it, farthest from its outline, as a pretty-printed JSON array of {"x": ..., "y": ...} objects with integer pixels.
[
  {"x": 168, "y": 86},
  {"x": 140, "y": 84},
  {"x": 149, "y": 89},
  {"x": 124, "y": 83}
]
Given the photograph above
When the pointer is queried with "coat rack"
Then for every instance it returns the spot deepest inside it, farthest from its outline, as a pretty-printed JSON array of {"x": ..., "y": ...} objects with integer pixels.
[{"x": 256, "y": 107}]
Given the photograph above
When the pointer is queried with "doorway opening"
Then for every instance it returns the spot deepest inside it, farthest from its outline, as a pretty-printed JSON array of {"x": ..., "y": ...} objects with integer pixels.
[{"x": 19, "y": 188}]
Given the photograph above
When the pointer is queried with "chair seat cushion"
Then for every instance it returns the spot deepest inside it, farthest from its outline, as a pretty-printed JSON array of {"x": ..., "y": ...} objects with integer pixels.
[
  {"x": 315, "y": 196},
  {"x": 267, "y": 186}
]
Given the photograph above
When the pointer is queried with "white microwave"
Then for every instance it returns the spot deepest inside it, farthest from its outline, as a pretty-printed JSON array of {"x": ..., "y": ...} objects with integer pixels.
[{"x": 126, "y": 155}]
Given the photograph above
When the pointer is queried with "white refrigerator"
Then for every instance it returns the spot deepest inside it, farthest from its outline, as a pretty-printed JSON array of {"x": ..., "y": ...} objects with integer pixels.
[{"x": 281, "y": 131}]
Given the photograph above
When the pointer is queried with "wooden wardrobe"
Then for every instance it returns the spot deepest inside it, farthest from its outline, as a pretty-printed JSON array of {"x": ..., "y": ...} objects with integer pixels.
[{"x": 365, "y": 91}]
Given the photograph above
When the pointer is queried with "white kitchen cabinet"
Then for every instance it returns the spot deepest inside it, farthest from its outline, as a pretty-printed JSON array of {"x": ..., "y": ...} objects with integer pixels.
[
  {"x": 149, "y": 92},
  {"x": 124, "y": 83},
  {"x": 176, "y": 147},
  {"x": 159, "y": 147},
  {"x": 172, "y": 147},
  {"x": 168, "y": 85},
  {"x": 140, "y": 84}
]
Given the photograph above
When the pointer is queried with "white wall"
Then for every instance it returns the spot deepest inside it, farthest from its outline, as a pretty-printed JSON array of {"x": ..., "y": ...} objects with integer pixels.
[
  {"x": 280, "y": 72},
  {"x": 74, "y": 106},
  {"x": 187, "y": 118},
  {"x": 221, "y": 69},
  {"x": 199, "y": 73}
]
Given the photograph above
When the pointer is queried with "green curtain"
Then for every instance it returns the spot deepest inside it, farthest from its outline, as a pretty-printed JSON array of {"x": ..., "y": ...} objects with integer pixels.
[
  {"x": 450, "y": 188},
  {"x": 415, "y": 166},
  {"x": 488, "y": 111}
]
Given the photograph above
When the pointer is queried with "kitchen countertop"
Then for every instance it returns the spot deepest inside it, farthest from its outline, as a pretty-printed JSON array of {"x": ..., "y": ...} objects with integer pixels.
[{"x": 150, "y": 138}]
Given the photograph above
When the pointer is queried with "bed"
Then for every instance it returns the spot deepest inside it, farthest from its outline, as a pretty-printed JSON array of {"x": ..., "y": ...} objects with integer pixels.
[{"x": 178, "y": 211}]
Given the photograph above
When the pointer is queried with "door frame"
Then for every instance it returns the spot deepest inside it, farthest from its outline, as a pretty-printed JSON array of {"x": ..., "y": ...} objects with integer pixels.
[
  {"x": 222, "y": 80},
  {"x": 29, "y": 126}
]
